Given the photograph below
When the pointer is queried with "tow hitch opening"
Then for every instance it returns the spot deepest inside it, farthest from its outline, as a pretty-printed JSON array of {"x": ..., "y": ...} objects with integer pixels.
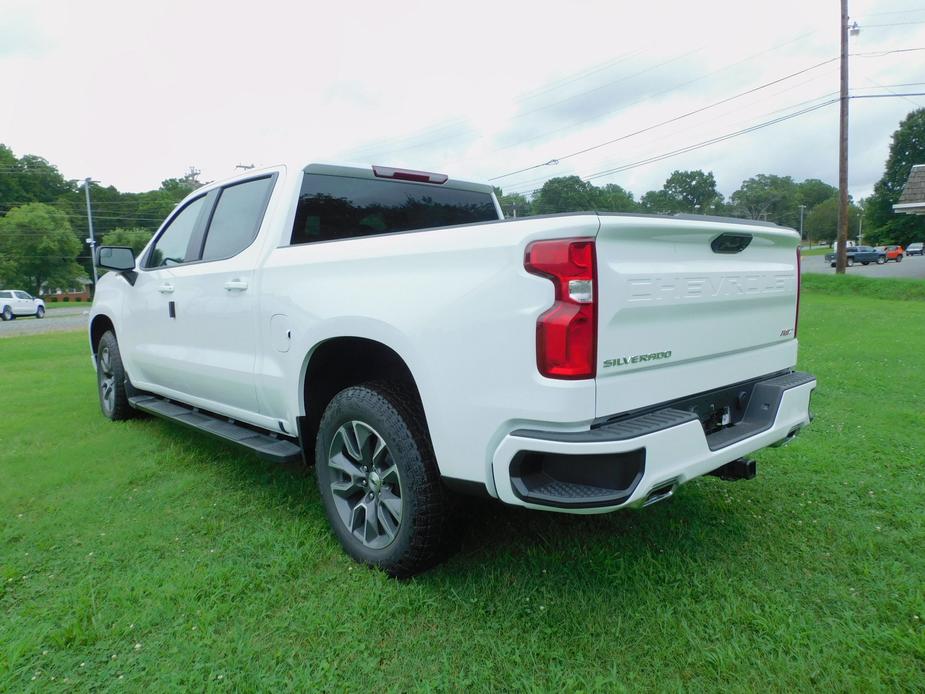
[{"x": 739, "y": 469}]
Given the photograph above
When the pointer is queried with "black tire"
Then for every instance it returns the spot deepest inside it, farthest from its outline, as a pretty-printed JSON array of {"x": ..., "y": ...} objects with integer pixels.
[
  {"x": 899, "y": 258},
  {"x": 6, "y": 313},
  {"x": 111, "y": 380},
  {"x": 40, "y": 312},
  {"x": 358, "y": 419},
  {"x": 833, "y": 264}
]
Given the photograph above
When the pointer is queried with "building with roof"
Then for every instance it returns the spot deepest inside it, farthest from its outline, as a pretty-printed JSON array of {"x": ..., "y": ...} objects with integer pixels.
[{"x": 912, "y": 200}]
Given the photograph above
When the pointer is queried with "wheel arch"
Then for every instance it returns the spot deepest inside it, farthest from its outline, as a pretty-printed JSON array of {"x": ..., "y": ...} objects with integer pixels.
[
  {"x": 99, "y": 325},
  {"x": 340, "y": 362}
]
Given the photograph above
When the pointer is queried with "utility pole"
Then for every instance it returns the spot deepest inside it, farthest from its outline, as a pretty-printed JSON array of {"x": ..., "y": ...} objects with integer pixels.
[
  {"x": 841, "y": 254},
  {"x": 802, "y": 207},
  {"x": 92, "y": 239}
]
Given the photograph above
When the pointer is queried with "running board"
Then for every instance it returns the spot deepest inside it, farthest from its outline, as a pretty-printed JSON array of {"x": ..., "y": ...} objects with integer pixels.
[{"x": 267, "y": 446}]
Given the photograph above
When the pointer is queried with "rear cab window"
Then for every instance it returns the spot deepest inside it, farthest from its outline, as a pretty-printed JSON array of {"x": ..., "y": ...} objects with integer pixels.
[{"x": 334, "y": 207}]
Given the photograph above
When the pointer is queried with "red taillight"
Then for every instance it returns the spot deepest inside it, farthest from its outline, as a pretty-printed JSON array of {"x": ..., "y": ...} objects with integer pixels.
[
  {"x": 566, "y": 334},
  {"x": 409, "y": 175},
  {"x": 796, "y": 318}
]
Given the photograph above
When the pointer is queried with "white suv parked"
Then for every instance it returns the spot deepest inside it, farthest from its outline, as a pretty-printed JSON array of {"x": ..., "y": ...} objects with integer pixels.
[
  {"x": 14, "y": 302},
  {"x": 392, "y": 328}
]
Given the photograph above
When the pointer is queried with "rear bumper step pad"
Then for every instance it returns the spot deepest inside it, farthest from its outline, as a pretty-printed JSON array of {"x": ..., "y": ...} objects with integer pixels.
[{"x": 265, "y": 445}]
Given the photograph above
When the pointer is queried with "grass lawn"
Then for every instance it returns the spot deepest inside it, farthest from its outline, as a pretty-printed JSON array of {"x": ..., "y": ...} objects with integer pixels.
[
  {"x": 142, "y": 555},
  {"x": 815, "y": 251},
  {"x": 68, "y": 304}
]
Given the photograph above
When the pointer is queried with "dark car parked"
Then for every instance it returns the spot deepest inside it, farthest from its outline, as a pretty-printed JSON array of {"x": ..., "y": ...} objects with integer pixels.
[{"x": 860, "y": 254}]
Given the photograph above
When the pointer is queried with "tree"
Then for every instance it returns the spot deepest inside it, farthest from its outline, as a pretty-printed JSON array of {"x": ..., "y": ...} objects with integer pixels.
[
  {"x": 565, "y": 194},
  {"x": 691, "y": 191},
  {"x": 135, "y": 238},
  {"x": 513, "y": 205},
  {"x": 769, "y": 197},
  {"x": 821, "y": 224},
  {"x": 812, "y": 191},
  {"x": 38, "y": 248},
  {"x": 658, "y": 202},
  {"x": 614, "y": 198},
  {"x": 907, "y": 148}
]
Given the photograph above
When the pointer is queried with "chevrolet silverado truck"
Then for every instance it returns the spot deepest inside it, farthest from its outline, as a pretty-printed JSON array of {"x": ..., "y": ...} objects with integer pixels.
[{"x": 391, "y": 327}]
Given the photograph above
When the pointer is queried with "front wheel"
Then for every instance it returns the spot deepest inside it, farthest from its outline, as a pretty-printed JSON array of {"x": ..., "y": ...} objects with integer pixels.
[
  {"x": 110, "y": 378},
  {"x": 379, "y": 481},
  {"x": 40, "y": 312}
]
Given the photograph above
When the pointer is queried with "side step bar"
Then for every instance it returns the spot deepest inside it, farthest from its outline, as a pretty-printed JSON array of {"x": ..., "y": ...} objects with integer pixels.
[{"x": 267, "y": 446}]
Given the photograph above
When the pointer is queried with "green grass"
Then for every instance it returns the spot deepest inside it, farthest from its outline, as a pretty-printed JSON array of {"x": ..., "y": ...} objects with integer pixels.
[
  {"x": 68, "y": 304},
  {"x": 815, "y": 251},
  {"x": 142, "y": 555},
  {"x": 897, "y": 289}
]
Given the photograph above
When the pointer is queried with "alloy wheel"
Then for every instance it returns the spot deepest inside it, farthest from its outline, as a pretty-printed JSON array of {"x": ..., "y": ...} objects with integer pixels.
[
  {"x": 365, "y": 484},
  {"x": 107, "y": 381}
]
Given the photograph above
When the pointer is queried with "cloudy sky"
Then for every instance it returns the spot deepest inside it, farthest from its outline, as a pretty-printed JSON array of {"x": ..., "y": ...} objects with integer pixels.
[{"x": 131, "y": 93}]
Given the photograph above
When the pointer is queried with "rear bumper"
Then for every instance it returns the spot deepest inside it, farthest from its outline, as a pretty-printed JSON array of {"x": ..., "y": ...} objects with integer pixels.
[{"x": 634, "y": 460}]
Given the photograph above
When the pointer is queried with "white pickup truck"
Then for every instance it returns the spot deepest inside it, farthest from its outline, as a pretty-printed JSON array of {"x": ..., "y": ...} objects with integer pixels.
[{"x": 391, "y": 327}]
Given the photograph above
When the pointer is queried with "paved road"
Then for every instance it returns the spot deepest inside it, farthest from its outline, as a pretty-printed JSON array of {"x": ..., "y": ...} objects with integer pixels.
[
  {"x": 913, "y": 266},
  {"x": 55, "y": 320}
]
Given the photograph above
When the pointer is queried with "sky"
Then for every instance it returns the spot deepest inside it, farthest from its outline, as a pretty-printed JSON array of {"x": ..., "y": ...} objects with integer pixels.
[{"x": 131, "y": 93}]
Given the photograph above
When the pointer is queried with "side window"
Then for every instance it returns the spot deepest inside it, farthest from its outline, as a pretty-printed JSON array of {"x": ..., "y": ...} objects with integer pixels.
[
  {"x": 6, "y": 295},
  {"x": 173, "y": 245},
  {"x": 237, "y": 218},
  {"x": 22, "y": 295}
]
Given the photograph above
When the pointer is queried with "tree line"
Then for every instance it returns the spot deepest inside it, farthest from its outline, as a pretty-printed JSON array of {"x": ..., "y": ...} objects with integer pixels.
[
  {"x": 43, "y": 222},
  {"x": 767, "y": 197}
]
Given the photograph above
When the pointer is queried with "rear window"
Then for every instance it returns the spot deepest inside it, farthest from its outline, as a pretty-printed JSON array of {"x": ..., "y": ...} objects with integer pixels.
[{"x": 339, "y": 207}]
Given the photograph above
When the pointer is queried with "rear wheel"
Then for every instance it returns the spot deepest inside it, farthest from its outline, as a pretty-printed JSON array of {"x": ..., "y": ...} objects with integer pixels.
[
  {"x": 110, "y": 378},
  {"x": 379, "y": 480},
  {"x": 899, "y": 258},
  {"x": 40, "y": 312},
  {"x": 7, "y": 313},
  {"x": 850, "y": 262},
  {"x": 880, "y": 261}
]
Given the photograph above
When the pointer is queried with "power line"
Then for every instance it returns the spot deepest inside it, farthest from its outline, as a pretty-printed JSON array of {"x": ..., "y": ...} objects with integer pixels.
[
  {"x": 705, "y": 143},
  {"x": 556, "y": 160},
  {"x": 672, "y": 120}
]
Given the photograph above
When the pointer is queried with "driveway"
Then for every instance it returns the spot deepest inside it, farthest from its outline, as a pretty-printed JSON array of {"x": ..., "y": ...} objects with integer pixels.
[
  {"x": 912, "y": 267},
  {"x": 55, "y": 320}
]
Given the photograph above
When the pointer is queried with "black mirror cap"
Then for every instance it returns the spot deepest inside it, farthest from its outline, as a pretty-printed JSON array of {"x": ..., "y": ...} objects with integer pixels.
[{"x": 119, "y": 258}]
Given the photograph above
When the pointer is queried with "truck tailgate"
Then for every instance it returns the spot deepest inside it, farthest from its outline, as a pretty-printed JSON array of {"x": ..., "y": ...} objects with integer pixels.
[{"x": 687, "y": 305}]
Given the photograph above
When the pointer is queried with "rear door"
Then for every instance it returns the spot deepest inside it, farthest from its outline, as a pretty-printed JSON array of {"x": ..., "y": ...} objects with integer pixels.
[{"x": 679, "y": 301}]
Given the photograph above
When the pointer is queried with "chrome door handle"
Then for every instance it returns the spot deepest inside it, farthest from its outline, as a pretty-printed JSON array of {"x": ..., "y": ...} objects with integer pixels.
[
  {"x": 165, "y": 288},
  {"x": 236, "y": 285}
]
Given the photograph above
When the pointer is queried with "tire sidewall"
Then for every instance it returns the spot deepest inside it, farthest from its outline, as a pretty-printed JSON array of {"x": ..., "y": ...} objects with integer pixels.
[
  {"x": 6, "y": 313},
  {"x": 40, "y": 312},
  {"x": 121, "y": 407},
  {"x": 374, "y": 409}
]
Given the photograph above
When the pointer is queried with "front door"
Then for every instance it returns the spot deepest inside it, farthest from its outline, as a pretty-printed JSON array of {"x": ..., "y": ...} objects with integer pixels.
[{"x": 202, "y": 336}]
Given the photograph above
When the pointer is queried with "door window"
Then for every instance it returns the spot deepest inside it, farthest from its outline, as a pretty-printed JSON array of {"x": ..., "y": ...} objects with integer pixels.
[
  {"x": 174, "y": 244},
  {"x": 237, "y": 218},
  {"x": 23, "y": 296}
]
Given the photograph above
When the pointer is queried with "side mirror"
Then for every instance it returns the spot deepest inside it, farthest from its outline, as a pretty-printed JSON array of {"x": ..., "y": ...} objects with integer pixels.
[{"x": 119, "y": 258}]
